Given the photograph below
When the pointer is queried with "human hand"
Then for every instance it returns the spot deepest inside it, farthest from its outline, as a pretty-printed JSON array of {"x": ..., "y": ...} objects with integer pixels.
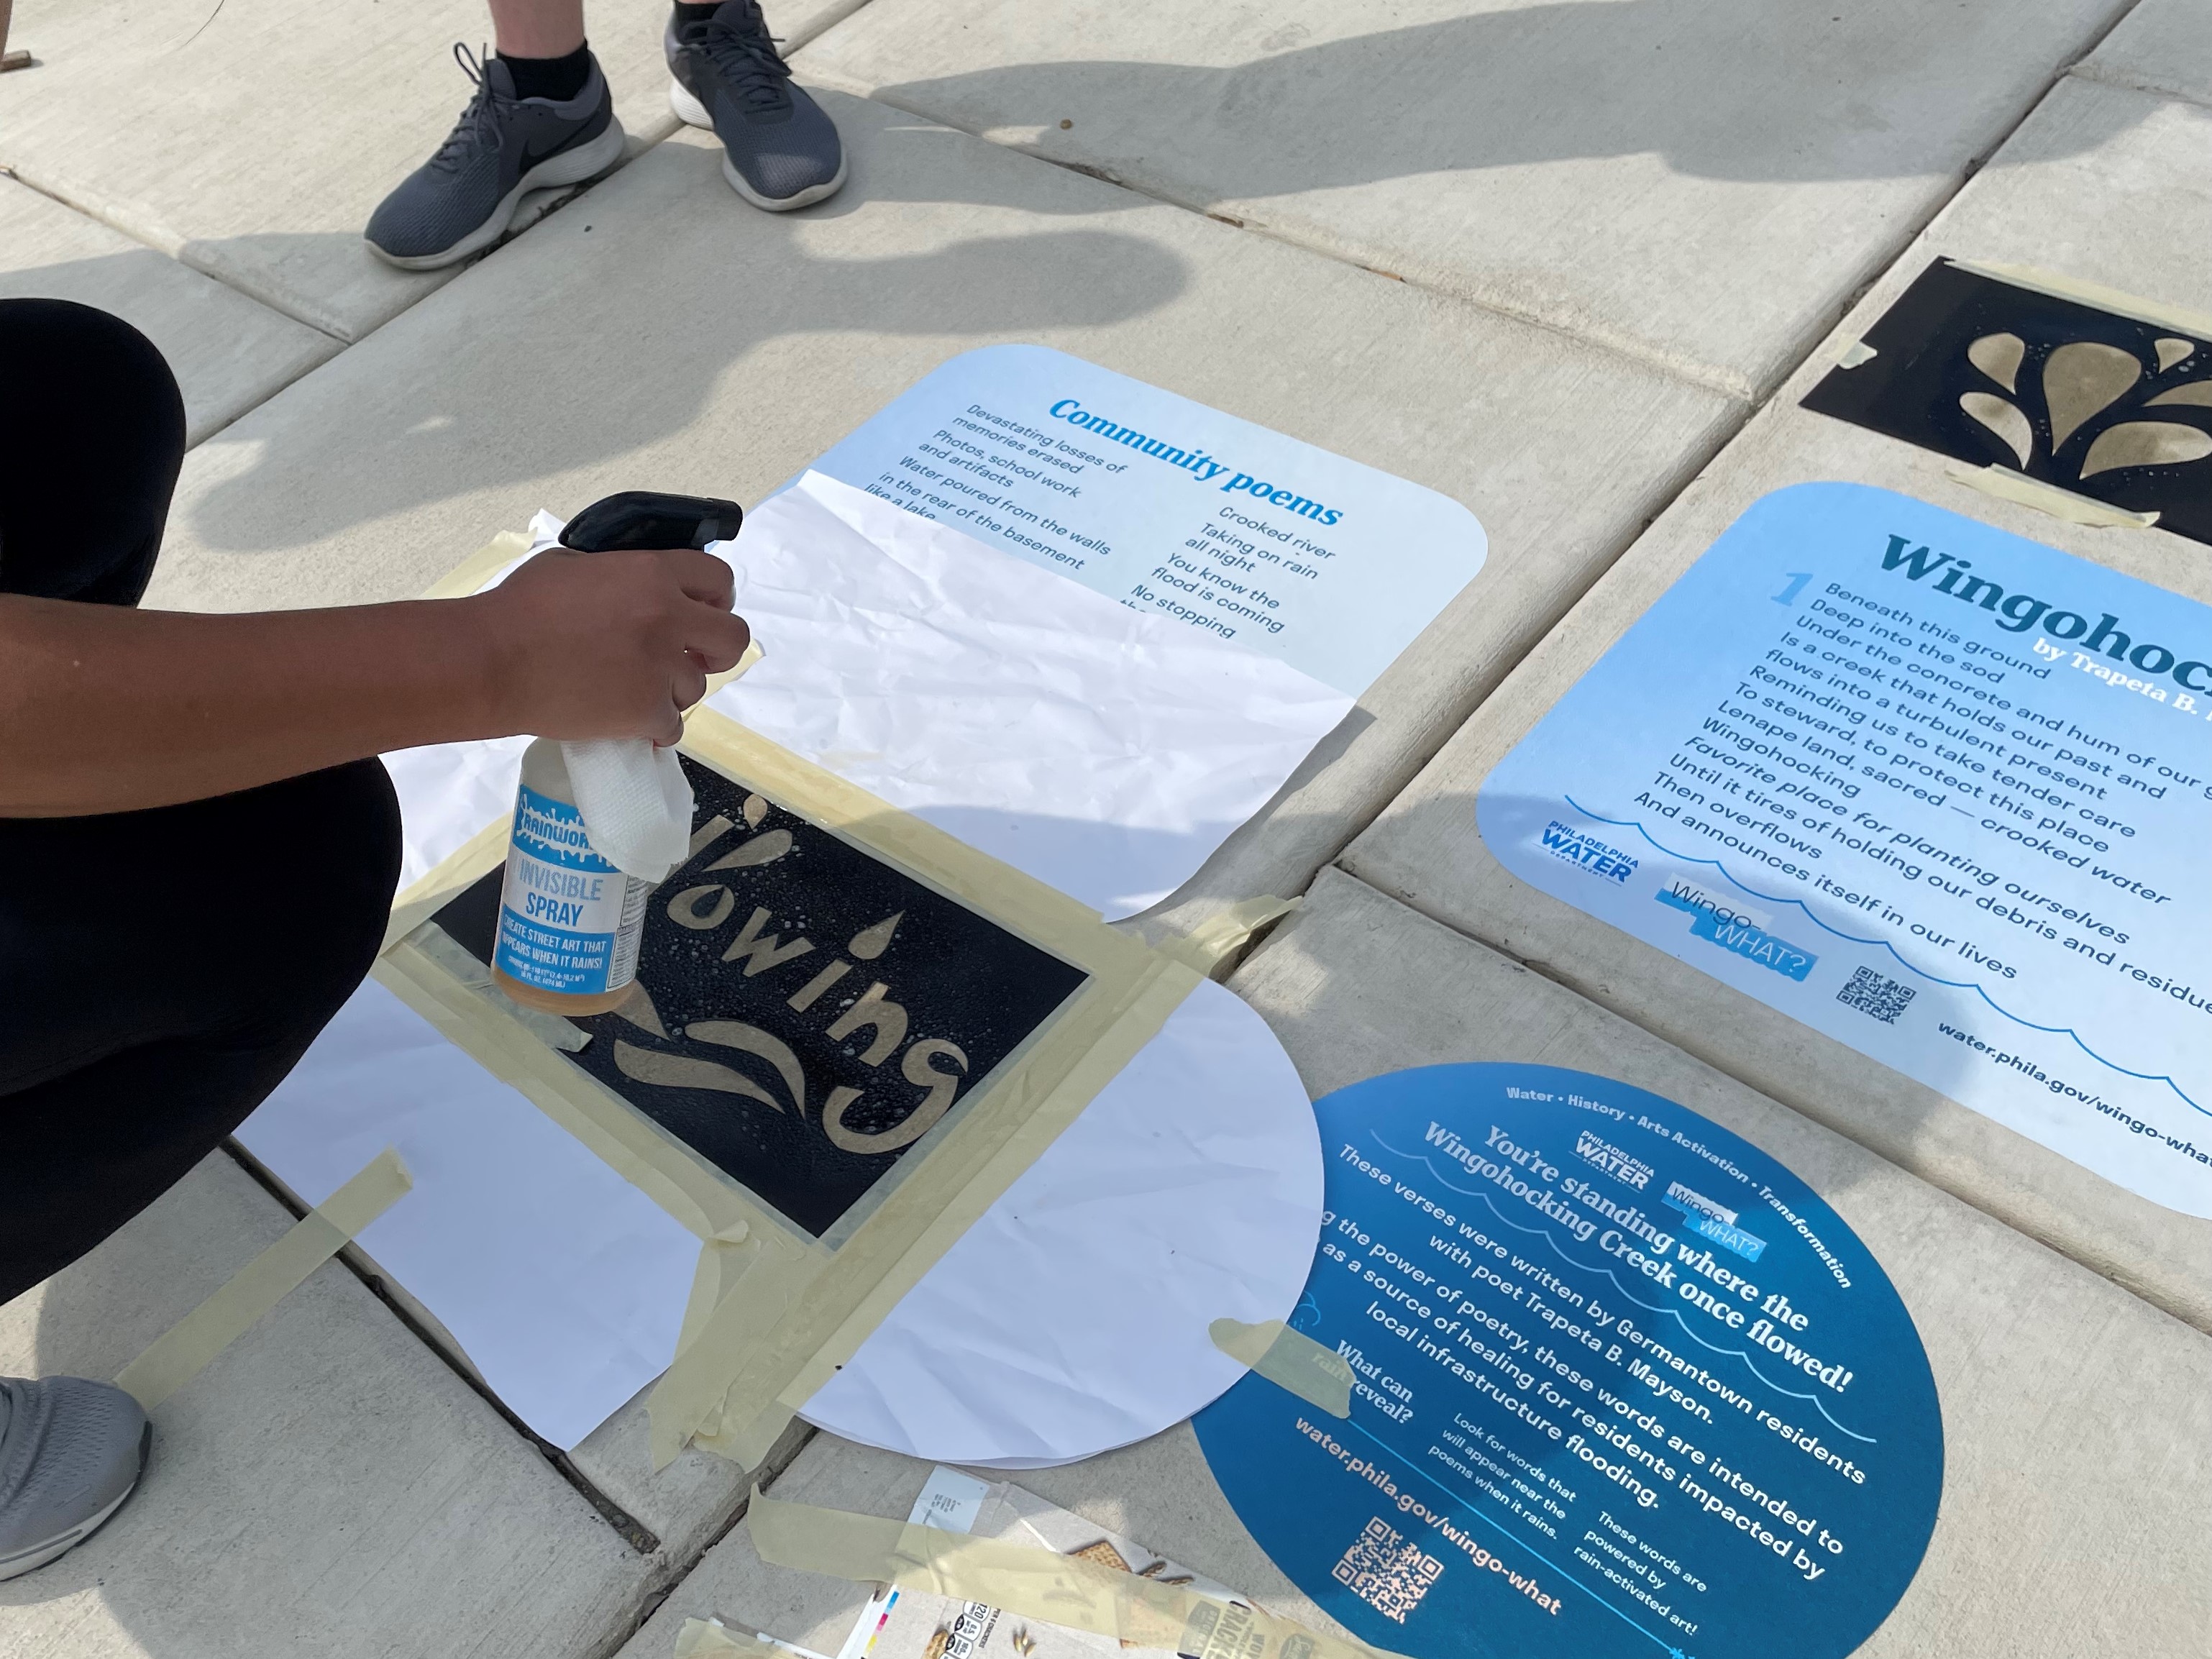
[{"x": 609, "y": 645}]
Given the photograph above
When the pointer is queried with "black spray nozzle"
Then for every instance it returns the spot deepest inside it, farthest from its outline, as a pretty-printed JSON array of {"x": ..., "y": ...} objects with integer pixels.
[{"x": 647, "y": 518}]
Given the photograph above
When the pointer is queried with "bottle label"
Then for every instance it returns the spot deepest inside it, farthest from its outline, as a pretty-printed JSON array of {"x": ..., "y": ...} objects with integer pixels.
[{"x": 568, "y": 921}]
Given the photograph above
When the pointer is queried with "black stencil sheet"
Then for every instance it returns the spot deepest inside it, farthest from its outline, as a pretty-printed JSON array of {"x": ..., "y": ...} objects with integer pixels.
[
  {"x": 1992, "y": 373},
  {"x": 714, "y": 1051}
]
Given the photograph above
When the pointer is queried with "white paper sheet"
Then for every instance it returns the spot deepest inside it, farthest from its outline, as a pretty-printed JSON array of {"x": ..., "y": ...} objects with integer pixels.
[
  {"x": 447, "y": 792},
  {"x": 1072, "y": 1318},
  {"x": 564, "y": 1283},
  {"x": 1105, "y": 750},
  {"x": 1102, "y": 748}
]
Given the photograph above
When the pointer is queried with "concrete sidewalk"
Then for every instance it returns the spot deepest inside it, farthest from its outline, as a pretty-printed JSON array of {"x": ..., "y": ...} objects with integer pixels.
[
  {"x": 2109, "y": 184},
  {"x": 2089, "y": 1451},
  {"x": 1568, "y": 264}
]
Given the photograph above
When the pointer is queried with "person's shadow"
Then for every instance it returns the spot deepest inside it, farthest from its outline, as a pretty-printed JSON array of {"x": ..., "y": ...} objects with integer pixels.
[
  {"x": 572, "y": 348},
  {"x": 1751, "y": 90},
  {"x": 577, "y": 360},
  {"x": 1701, "y": 183}
]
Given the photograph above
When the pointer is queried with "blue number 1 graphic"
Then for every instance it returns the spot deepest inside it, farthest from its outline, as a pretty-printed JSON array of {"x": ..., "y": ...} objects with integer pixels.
[{"x": 1798, "y": 580}]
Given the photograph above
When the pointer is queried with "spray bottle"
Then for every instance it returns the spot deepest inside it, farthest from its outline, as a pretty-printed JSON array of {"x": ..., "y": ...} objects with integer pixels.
[{"x": 569, "y": 920}]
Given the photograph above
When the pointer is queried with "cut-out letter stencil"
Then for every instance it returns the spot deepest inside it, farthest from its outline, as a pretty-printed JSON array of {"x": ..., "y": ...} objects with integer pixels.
[{"x": 803, "y": 1012}]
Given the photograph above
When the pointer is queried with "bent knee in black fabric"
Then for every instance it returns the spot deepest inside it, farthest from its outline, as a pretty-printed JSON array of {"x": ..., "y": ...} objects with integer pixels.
[
  {"x": 222, "y": 917},
  {"x": 92, "y": 436},
  {"x": 160, "y": 973}
]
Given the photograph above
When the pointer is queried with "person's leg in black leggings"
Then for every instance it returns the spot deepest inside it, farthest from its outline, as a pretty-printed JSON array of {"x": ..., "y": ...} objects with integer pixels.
[
  {"x": 92, "y": 434},
  {"x": 160, "y": 972}
]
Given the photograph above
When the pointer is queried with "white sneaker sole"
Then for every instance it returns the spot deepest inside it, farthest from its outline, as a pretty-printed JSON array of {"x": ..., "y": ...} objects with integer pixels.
[
  {"x": 570, "y": 167},
  {"x": 693, "y": 114},
  {"x": 38, "y": 1555}
]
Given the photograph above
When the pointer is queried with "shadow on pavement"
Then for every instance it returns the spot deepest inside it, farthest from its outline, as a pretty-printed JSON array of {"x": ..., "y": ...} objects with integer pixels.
[
  {"x": 1729, "y": 89},
  {"x": 610, "y": 330}
]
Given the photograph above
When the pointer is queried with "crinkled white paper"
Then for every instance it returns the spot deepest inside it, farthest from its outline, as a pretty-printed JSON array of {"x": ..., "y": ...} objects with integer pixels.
[
  {"x": 1096, "y": 747},
  {"x": 1072, "y": 1317},
  {"x": 1102, "y": 748}
]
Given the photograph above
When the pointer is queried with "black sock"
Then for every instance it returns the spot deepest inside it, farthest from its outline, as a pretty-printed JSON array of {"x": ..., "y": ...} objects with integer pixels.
[
  {"x": 558, "y": 78},
  {"x": 688, "y": 14}
]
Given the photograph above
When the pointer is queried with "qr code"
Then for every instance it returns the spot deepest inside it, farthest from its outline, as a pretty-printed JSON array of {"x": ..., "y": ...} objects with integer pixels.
[
  {"x": 1384, "y": 1571},
  {"x": 1876, "y": 994}
]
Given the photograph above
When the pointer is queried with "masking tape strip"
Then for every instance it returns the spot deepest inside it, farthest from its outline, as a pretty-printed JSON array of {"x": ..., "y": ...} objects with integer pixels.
[
  {"x": 733, "y": 1389},
  {"x": 1109, "y": 1044},
  {"x": 1210, "y": 944},
  {"x": 771, "y": 1315},
  {"x": 182, "y": 1351},
  {"x": 2008, "y": 485},
  {"x": 1857, "y": 355},
  {"x": 715, "y": 682},
  {"x": 454, "y": 956},
  {"x": 2059, "y": 287},
  {"x": 779, "y": 1334},
  {"x": 626, "y": 1141},
  {"x": 1290, "y": 1360},
  {"x": 1031, "y": 1583}
]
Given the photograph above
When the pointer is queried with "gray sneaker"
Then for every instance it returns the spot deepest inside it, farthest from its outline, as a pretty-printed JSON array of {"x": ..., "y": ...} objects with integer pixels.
[
  {"x": 464, "y": 198},
  {"x": 779, "y": 150},
  {"x": 70, "y": 1452}
]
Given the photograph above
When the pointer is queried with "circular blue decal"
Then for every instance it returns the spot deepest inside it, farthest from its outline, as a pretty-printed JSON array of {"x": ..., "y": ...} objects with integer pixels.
[{"x": 1622, "y": 1385}]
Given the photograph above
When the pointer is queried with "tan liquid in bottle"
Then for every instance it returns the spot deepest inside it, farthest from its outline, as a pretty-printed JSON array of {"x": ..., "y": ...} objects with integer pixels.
[{"x": 570, "y": 922}]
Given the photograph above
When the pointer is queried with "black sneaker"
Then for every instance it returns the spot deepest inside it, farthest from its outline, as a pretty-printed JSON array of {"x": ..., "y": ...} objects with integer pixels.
[
  {"x": 464, "y": 198},
  {"x": 779, "y": 150}
]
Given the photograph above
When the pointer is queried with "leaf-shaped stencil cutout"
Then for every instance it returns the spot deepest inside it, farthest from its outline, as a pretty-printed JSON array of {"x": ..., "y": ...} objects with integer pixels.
[
  {"x": 1999, "y": 356},
  {"x": 2146, "y": 443},
  {"x": 707, "y": 834},
  {"x": 756, "y": 808},
  {"x": 2197, "y": 392},
  {"x": 682, "y": 1072},
  {"x": 761, "y": 849},
  {"x": 2002, "y": 418},
  {"x": 736, "y": 1034},
  {"x": 2172, "y": 351},
  {"x": 872, "y": 942},
  {"x": 2080, "y": 379},
  {"x": 637, "y": 1008}
]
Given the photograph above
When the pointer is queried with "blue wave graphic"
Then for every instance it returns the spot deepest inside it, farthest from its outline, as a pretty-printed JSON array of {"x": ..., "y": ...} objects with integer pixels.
[{"x": 1921, "y": 972}]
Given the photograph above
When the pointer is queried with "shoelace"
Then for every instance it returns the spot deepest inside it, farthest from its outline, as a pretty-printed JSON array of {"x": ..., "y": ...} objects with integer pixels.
[
  {"x": 749, "y": 65},
  {"x": 476, "y": 128}
]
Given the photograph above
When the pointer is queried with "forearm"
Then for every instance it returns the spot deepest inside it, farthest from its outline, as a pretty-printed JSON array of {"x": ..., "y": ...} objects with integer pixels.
[{"x": 106, "y": 709}]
